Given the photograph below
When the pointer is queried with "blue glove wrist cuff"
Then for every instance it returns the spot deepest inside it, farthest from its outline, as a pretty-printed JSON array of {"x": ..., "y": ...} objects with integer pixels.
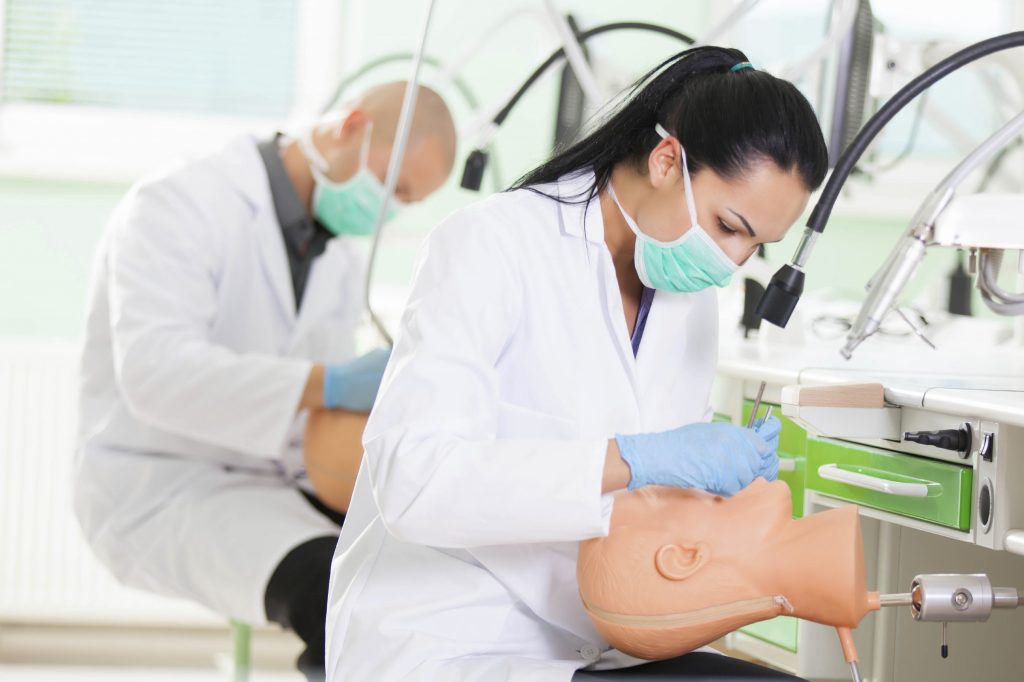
[
  {"x": 625, "y": 444},
  {"x": 329, "y": 389}
]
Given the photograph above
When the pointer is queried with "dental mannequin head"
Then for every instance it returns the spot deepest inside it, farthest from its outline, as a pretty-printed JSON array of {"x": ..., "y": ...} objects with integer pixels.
[
  {"x": 332, "y": 448},
  {"x": 681, "y": 567}
]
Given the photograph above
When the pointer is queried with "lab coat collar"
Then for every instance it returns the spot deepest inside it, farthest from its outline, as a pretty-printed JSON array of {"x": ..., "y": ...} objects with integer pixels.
[
  {"x": 245, "y": 170},
  {"x": 580, "y": 220},
  {"x": 244, "y": 167}
]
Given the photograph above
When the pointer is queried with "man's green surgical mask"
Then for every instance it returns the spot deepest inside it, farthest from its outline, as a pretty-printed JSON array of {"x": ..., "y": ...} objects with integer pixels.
[
  {"x": 690, "y": 263},
  {"x": 350, "y": 207}
]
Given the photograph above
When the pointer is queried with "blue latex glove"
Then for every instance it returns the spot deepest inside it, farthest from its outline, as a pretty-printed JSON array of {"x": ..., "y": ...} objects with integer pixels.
[
  {"x": 717, "y": 457},
  {"x": 353, "y": 385}
]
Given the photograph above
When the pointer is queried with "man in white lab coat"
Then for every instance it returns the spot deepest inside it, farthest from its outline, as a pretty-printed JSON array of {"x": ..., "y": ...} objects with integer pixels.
[{"x": 225, "y": 295}]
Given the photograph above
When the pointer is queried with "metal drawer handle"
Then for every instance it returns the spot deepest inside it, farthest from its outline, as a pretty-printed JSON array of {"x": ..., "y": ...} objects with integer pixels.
[
  {"x": 787, "y": 464},
  {"x": 832, "y": 472}
]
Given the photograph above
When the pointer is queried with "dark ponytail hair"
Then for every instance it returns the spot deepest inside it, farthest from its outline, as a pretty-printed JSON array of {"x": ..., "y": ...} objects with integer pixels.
[{"x": 727, "y": 120}]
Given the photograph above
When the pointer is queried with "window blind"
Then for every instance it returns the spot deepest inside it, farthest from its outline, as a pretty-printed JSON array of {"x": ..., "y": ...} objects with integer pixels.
[{"x": 232, "y": 57}]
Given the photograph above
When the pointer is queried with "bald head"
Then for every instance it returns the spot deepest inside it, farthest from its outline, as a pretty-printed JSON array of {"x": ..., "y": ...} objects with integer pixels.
[
  {"x": 372, "y": 118},
  {"x": 430, "y": 119}
]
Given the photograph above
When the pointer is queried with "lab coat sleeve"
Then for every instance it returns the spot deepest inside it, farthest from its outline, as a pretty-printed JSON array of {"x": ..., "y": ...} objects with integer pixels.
[
  {"x": 164, "y": 263},
  {"x": 439, "y": 474}
]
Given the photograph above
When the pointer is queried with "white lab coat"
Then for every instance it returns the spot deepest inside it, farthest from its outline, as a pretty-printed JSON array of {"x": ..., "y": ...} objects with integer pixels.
[
  {"x": 485, "y": 450},
  {"x": 193, "y": 367}
]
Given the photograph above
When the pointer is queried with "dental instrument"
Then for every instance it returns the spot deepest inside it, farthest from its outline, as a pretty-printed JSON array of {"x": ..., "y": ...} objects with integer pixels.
[{"x": 757, "y": 405}]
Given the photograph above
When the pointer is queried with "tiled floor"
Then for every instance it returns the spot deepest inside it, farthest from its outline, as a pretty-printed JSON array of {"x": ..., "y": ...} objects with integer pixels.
[
  {"x": 120, "y": 654},
  {"x": 106, "y": 654},
  {"x": 51, "y": 673}
]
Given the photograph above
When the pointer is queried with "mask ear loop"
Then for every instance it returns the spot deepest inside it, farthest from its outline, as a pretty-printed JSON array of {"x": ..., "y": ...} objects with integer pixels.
[
  {"x": 312, "y": 154},
  {"x": 319, "y": 163},
  {"x": 691, "y": 207},
  {"x": 364, "y": 164},
  {"x": 364, "y": 150}
]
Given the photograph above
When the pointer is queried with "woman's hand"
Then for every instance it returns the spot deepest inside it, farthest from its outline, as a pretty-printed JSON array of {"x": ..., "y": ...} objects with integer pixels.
[{"x": 717, "y": 457}]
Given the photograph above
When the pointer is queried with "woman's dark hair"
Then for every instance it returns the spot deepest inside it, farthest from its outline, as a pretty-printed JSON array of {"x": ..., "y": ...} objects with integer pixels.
[{"x": 726, "y": 120}]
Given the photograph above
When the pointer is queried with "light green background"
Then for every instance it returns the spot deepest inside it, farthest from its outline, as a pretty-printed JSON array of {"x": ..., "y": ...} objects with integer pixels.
[{"x": 49, "y": 229}]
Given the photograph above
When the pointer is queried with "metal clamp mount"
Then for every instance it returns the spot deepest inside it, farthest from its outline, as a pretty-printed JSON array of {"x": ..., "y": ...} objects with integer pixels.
[{"x": 953, "y": 598}]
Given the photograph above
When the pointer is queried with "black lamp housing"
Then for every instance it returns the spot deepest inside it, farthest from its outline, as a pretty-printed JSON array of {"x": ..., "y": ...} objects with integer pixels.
[
  {"x": 780, "y": 298},
  {"x": 473, "y": 171}
]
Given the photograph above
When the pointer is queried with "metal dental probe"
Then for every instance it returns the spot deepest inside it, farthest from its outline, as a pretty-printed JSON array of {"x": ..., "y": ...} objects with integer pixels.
[{"x": 757, "y": 405}]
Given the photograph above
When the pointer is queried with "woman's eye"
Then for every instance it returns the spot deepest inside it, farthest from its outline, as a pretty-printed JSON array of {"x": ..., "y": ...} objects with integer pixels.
[{"x": 725, "y": 228}]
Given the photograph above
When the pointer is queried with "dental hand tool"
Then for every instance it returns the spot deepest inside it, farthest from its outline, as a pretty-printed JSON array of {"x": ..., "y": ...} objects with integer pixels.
[{"x": 757, "y": 405}]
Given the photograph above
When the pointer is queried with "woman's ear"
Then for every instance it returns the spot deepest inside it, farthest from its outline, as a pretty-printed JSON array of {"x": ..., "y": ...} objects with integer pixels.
[
  {"x": 679, "y": 562},
  {"x": 663, "y": 163}
]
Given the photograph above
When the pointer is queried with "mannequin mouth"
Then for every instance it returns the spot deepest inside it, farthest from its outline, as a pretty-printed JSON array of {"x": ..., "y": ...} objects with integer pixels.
[{"x": 759, "y": 607}]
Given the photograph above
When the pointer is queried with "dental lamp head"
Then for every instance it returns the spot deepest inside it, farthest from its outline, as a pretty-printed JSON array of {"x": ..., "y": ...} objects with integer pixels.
[
  {"x": 785, "y": 288},
  {"x": 473, "y": 171}
]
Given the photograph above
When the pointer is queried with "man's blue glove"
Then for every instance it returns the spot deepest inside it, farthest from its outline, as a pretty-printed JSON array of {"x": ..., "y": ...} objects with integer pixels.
[
  {"x": 353, "y": 385},
  {"x": 717, "y": 457}
]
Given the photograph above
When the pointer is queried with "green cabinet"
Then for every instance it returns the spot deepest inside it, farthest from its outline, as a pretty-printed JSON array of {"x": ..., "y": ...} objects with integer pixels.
[
  {"x": 782, "y": 631},
  {"x": 917, "y": 487}
]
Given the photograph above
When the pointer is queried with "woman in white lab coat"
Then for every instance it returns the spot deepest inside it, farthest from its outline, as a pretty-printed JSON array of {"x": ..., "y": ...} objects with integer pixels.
[{"x": 558, "y": 345}]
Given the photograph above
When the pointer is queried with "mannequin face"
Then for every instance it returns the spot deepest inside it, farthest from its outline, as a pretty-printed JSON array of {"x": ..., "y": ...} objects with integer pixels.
[{"x": 681, "y": 568}]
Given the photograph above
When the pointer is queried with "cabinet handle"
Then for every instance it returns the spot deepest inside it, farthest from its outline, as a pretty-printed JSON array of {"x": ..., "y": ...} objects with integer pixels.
[
  {"x": 832, "y": 472},
  {"x": 787, "y": 464}
]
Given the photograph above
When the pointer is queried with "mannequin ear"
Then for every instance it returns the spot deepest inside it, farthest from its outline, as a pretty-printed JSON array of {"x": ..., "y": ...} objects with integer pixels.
[{"x": 679, "y": 562}]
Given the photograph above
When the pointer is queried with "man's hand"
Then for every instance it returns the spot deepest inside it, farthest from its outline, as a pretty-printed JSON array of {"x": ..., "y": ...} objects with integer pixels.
[{"x": 353, "y": 385}]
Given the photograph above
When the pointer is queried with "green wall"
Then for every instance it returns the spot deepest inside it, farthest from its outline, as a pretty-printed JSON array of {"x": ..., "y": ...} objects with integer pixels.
[
  {"x": 49, "y": 229},
  {"x": 48, "y": 232}
]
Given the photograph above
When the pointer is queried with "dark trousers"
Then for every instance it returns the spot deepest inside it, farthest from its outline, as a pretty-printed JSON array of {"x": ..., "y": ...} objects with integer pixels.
[
  {"x": 296, "y": 595},
  {"x": 702, "y": 666}
]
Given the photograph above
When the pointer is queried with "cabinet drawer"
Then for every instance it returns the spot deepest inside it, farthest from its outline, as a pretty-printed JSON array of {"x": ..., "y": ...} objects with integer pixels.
[{"x": 903, "y": 484}]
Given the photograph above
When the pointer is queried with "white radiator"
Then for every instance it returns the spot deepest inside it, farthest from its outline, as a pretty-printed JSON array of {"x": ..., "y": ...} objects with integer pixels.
[{"x": 47, "y": 572}]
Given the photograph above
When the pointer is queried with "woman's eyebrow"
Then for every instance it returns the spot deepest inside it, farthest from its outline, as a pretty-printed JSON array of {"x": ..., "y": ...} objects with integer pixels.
[{"x": 744, "y": 221}]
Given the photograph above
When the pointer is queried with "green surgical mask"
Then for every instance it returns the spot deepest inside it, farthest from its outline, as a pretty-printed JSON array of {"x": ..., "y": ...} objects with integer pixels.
[
  {"x": 690, "y": 263},
  {"x": 350, "y": 207}
]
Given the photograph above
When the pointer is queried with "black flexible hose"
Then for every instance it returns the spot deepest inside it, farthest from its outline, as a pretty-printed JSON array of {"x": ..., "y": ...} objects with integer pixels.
[
  {"x": 823, "y": 209},
  {"x": 500, "y": 117}
]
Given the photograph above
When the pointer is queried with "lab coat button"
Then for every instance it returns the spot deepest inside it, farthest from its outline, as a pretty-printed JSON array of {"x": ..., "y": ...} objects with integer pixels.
[{"x": 590, "y": 652}]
